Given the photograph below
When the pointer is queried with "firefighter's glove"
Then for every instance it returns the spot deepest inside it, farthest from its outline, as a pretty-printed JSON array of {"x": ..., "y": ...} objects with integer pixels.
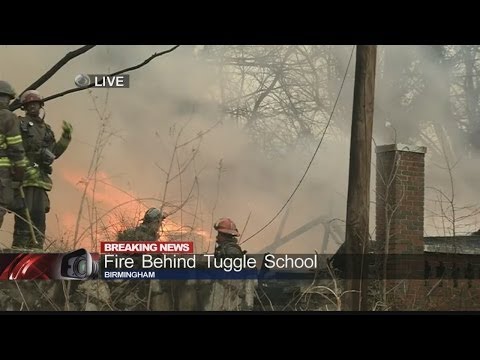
[
  {"x": 18, "y": 203},
  {"x": 18, "y": 173},
  {"x": 46, "y": 156},
  {"x": 67, "y": 130}
]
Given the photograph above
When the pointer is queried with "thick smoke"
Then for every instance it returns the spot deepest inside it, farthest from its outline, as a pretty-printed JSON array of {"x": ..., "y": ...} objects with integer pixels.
[
  {"x": 178, "y": 93},
  {"x": 419, "y": 78}
]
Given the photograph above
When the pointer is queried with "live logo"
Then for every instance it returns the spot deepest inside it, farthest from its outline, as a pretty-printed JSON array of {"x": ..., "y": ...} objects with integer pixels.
[{"x": 105, "y": 81}]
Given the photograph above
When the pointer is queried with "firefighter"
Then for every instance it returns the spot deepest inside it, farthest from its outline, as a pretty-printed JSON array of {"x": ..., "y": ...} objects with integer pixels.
[
  {"x": 41, "y": 150},
  {"x": 148, "y": 230},
  {"x": 129, "y": 292},
  {"x": 12, "y": 154},
  {"x": 227, "y": 243}
]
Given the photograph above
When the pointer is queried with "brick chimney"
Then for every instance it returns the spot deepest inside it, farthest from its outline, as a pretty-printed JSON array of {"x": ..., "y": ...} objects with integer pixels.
[{"x": 400, "y": 183}]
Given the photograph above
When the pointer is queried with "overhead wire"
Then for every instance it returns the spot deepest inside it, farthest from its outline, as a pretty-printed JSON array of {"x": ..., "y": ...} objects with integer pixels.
[{"x": 313, "y": 156}]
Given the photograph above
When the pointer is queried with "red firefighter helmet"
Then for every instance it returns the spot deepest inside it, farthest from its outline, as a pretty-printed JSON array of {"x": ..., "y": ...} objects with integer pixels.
[
  {"x": 226, "y": 226},
  {"x": 31, "y": 96}
]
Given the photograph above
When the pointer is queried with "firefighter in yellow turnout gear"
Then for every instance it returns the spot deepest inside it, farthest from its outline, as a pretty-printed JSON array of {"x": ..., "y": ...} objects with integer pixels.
[
  {"x": 12, "y": 154},
  {"x": 41, "y": 150}
]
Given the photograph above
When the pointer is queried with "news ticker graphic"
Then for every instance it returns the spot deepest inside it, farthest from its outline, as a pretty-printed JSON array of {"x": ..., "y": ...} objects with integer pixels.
[
  {"x": 140, "y": 260},
  {"x": 261, "y": 267},
  {"x": 75, "y": 265}
]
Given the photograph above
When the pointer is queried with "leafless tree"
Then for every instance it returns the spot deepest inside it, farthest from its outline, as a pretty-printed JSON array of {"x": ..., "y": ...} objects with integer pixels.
[{"x": 281, "y": 95}]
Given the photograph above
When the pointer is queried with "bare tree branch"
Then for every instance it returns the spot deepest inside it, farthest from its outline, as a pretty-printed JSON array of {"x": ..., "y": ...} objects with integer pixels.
[
  {"x": 66, "y": 92},
  {"x": 53, "y": 70}
]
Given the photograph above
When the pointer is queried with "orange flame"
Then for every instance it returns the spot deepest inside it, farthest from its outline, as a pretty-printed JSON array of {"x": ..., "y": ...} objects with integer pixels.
[
  {"x": 121, "y": 211},
  {"x": 102, "y": 189}
]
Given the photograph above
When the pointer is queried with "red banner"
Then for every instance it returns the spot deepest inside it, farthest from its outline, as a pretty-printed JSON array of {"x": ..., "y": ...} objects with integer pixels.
[{"x": 146, "y": 247}]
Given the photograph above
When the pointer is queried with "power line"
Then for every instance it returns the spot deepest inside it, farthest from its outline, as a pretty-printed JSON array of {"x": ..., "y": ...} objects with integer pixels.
[{"x": 313, "y": 156}]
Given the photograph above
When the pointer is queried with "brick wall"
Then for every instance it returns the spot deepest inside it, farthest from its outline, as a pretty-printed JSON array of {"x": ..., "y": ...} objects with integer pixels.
[{"x": 400, "y": 185}]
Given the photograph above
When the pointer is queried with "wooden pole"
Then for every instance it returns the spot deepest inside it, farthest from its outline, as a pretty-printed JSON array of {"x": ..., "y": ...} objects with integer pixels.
[{"x": 358, "y": 202}]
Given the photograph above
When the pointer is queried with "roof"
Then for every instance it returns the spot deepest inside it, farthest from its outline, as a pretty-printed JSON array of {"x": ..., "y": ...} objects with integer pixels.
[
  {"x": 401, "y": 147},
  {"x": 468, "y": 245}
]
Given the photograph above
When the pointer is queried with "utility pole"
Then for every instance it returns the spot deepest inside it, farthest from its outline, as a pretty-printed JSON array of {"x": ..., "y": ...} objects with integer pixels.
[{"x": 358, "y": 202}]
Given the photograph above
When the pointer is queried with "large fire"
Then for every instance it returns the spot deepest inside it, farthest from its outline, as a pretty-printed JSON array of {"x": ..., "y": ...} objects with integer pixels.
[{"x": 111, "y": 209}]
